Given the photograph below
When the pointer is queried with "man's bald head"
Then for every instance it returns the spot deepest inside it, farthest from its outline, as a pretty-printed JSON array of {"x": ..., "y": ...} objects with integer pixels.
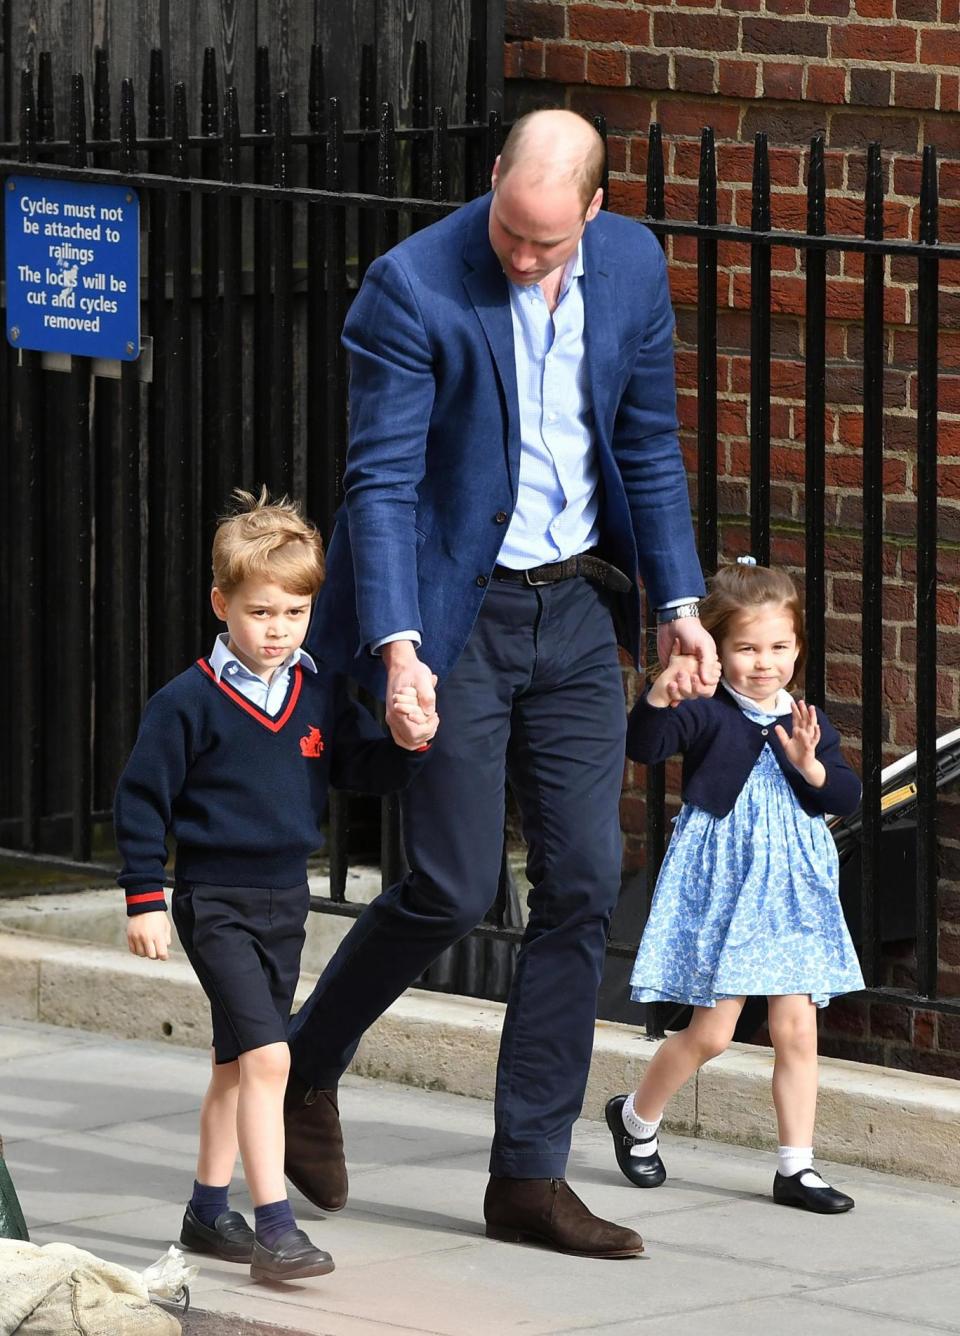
[{"x": 556, "y": 147}]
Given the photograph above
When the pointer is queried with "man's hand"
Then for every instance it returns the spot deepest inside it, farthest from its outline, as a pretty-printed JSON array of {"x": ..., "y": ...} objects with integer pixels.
[
  {"x": 405, "y": 671},
  {"x": 405, "y": 703},
  {"x": 149, "y": 934},
  {"x": 694, "y": 639},
  {"x": 683, "y": 679},
  {"x": 801, "y": 747}
]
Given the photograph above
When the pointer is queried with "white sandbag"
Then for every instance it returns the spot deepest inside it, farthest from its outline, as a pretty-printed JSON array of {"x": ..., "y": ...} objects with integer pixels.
[{"x": 59, "y": 1290}]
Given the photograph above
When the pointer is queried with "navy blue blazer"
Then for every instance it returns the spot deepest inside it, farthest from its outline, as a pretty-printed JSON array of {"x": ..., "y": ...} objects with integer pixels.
[
  {"x": 720, "y": 747},
  {"x": 434, "y": 451}
]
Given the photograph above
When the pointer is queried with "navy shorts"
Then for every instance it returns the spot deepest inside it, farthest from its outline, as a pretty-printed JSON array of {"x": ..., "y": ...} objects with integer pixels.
[{"x": 244, "y": 942}]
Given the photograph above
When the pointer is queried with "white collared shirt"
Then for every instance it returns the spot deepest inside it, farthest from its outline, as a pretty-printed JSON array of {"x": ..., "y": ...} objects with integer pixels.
[{"x": 268, "y": 695}]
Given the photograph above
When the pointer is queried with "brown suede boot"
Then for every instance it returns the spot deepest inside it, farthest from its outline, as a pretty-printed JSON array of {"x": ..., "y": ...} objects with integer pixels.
[
  {"x": 547, "y": 1211},
  {"x": 314, "y": 1161}
]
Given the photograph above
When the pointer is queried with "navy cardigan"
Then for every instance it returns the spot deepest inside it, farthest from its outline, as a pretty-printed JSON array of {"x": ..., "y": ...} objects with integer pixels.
[{"x": 720, "y": 747}]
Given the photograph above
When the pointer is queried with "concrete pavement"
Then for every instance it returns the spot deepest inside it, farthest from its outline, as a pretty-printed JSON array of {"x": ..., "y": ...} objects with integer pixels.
[{"x": 100, "y": 1137}]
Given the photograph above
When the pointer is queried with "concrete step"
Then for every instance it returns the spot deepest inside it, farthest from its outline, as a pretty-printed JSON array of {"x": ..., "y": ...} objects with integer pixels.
[{"x": 898, "y": 1122}]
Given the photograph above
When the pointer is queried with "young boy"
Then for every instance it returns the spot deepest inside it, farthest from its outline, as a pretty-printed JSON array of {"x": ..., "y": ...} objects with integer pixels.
[{"x": 234, "y": 758}]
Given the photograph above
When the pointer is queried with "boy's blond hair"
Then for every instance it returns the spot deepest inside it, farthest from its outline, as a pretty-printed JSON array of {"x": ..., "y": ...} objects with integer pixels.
[{"x": 268, "y": 540}]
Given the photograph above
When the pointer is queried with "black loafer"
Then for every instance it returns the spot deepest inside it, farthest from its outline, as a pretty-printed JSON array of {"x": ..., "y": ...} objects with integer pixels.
[
  {"x": 229, "y": 1237},
  {"x": 824, "y": 1199},
  {"x": 643, "y": 1171},
  {"x": 292, "y": 1257}
]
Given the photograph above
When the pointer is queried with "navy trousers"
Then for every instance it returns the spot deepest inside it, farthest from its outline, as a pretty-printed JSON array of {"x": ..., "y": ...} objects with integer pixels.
[{"x": 537, "y": 697}]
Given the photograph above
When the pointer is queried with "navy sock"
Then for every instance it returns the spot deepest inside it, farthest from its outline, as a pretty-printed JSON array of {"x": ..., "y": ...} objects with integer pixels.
[
  {"x": 272, "y": 1220},
  {"x": 207, "y": 1203}
]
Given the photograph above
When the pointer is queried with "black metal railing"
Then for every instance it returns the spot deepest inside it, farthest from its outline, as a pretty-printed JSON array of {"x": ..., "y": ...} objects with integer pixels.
[{"x": 254, "y": 243}]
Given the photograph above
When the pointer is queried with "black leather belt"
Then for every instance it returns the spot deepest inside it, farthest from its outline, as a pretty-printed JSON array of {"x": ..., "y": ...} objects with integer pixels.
[{"x": 592, "y": 568}]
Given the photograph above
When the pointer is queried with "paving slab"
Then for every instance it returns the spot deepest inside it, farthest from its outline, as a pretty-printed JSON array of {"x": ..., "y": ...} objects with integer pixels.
[{"x": 101, "y": 1138}]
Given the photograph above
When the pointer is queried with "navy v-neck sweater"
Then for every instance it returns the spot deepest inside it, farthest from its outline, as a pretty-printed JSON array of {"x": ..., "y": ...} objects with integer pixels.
[{"x": 243, "y": 794}]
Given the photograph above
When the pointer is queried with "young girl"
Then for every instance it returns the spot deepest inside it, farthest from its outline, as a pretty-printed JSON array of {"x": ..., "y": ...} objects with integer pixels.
[{"x": 747, "y": 900}]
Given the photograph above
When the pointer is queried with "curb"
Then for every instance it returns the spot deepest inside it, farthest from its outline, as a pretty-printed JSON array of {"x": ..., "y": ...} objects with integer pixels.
[{"x": 895, "y": 1122}]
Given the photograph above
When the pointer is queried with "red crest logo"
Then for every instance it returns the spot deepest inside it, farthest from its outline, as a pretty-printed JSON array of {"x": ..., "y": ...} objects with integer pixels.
[{"x": 312, "y": 743}]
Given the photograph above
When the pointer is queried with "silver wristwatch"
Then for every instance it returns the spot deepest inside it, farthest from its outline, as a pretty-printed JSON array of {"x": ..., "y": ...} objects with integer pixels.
[{"x": 674, "y": 614}]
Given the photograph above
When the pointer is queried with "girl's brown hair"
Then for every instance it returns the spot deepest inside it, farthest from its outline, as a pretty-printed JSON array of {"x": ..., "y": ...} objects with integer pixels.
[{"x": 743, "y": 588}]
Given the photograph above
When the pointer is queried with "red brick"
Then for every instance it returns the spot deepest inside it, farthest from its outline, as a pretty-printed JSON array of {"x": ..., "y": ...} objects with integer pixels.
[
  {"x": 948, "y": 1032},
  {"x": 845, "y": 1016},
  {"x": 699, "y": 32},
  {"x": 606, "y": 67},
  {"x": 688, "y": 118},
  {"x": 825, "y": 84},
  {"x": 628, "y": 197},
  {"x": 948, "y": 985},
  {"x": 870, "y": 88},
  {"x": 788, "y": 209},
  {"x": 617, "y": 153},
  {"x": 624, "y": 109},
  {"x": 784, "y": 82},
  {"x": 648, "y": 70},
  {"x": 785, "y": 6},
  {"x": 912, "y": 89},
  {"x": 784, "y": 125},
  {"x": 564, "y": 62},
  {"x": 527, "y": 18},
  {"x": 523, "y": 60},
  {"x": 694, "y": 74},
  {"x": 878, "y": 42},
  {"x": 594, "y": 23},
  {"x": 737, "y": 78},
  {"x": 949, "y": 11},
  {"x": 830, "y": 8},
  {"x": 874, "y": 9},
  {"x": 857, "y": 129},
  {"x": 783, "y": 37},
  {"x": 949, "y": 99},
  {"x": 939, "y": 47},
  {"x": 917, "y": 11},
  {"x": 889, "y": 1022},
  {"x": 943, "y": 132}
]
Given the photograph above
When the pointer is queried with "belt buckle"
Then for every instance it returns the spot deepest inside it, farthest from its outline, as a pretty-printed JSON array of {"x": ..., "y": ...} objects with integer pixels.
[{"x": 535, "y": 584}]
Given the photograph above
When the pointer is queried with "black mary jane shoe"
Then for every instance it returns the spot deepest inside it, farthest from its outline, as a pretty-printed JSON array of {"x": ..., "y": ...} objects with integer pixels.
[
  {"x": 643, "y": 1171},
  {"x": 292, "y": 1257},
  {"x": 819, "y": 1197},
  {"x": 229, "y": 1237}
]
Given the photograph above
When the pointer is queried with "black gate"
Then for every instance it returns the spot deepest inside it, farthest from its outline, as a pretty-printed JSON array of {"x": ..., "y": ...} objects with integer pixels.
[{"x": 254, "y": 239}]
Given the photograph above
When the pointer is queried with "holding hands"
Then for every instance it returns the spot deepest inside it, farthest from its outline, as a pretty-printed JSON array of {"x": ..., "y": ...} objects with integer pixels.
[
  {"x": 410, "y": 697},
  {"x": 405, "y": 706},
  {"x": 684, "y": 678},
  {"x": 801, "y": 747}
]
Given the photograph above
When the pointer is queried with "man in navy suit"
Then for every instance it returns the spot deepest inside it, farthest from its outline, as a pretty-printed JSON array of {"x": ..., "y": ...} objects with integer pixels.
[{"x": 513, "y": 452}]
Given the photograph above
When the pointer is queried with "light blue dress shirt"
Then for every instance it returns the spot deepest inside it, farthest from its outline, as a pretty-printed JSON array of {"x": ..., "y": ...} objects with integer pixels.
[
  {"x": 557, "y": 502},
  {"x": 269, "y": 696}
]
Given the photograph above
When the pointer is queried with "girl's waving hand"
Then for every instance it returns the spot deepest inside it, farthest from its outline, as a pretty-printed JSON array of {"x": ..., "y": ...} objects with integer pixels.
[{"x": 801, "y": 747}]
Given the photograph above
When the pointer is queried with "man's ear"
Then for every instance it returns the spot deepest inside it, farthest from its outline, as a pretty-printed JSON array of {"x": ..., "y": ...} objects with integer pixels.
[
  {"x": 495, "y": 174},
  {"x": 594, "y": 206}
]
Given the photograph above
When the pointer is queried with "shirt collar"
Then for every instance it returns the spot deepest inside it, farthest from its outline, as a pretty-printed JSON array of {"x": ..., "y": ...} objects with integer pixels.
[
  {"x": 781, "y": 705},
  {"x": 571, "y": 270},
  {"x": 224, "y": 660}
]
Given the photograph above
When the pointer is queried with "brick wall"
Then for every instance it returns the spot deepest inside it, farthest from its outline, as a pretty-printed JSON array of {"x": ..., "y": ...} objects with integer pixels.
[{"x": 855, "y": 70}]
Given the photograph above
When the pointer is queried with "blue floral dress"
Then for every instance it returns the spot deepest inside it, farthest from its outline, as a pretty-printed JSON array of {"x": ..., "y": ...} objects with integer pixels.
[{"x": 748, "y": 903}]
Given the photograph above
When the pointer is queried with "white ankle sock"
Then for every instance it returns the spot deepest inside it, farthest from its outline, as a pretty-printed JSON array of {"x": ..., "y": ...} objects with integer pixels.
[
  {"x": 794, "y": 1159},
  {"x": 645, "y": 1132}
]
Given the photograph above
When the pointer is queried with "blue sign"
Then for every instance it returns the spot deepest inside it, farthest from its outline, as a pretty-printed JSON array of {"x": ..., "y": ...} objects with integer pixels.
[{"x": 73, "y": 267}]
